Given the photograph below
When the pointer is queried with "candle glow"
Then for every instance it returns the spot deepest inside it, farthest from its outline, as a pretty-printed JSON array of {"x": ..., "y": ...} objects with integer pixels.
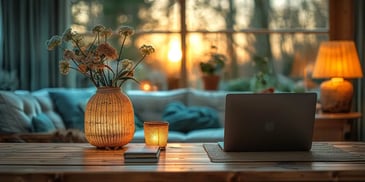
[{"x": 156, "y": 133}]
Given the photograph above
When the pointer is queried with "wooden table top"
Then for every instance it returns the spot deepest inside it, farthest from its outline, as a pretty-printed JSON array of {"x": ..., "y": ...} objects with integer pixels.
[{"x": 180, "y": 162}]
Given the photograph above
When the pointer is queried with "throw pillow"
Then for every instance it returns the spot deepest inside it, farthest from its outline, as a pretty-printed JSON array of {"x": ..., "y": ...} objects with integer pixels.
[
  {"x": 184, "y": 119},
  {"x": 67, "y": 104},
  {"x": 42, "y": 123}
]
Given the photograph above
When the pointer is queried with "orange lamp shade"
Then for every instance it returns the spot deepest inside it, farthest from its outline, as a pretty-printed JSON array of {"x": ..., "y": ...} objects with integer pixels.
[
  {"x": 337, "y": 59},
  {"x": 156, "y": 133}
]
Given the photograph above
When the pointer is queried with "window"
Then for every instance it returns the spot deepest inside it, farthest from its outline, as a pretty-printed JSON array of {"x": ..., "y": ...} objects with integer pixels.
[{"x": 273, "y": 43}]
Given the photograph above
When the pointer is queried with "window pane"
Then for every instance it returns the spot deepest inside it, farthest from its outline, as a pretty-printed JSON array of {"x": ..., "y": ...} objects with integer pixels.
[
  {"x": 206, "y": 15},
  {"x": 218, "y": 15},
  {"x": 154, "y": 15},
  {"x": 290, "y": 58},
  {"x": 147, "y": 17},
  {"x": 298, "y": 14}
]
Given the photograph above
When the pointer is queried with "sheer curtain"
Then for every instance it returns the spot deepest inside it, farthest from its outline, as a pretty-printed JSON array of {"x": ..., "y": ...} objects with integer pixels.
[{"x": 25, "y": 27}]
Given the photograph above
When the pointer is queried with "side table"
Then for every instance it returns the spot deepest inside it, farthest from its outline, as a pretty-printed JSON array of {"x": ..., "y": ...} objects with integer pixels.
[{"x": 336, "y": 126}]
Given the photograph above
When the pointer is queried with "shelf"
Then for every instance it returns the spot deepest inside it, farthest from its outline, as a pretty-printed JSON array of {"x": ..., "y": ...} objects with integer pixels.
[{"x": 340, "y": 116}]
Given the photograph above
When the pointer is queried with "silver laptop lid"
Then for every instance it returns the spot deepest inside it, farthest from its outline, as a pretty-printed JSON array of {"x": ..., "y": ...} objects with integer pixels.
[{"x": 269, "y": 122}]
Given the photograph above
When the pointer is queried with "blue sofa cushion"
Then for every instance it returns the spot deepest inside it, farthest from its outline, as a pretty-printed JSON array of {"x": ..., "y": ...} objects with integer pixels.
[
  {"x": 42, "y": 123},
  {"x": 184, "y": 119},
  {"x": 207, "y": 135},
  {"x": 68, "y": 105},
  {"x": 13, "y": 119}
]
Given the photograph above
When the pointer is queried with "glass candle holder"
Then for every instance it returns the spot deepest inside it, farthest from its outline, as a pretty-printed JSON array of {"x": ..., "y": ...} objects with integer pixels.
[{"x": 156, "y": 133}]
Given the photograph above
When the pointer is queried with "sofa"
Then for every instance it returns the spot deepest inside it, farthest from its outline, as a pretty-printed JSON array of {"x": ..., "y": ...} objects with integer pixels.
[{"x": 56, "y": 114}]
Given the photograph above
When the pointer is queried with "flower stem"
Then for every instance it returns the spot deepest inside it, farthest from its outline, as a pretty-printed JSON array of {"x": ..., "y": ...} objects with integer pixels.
[
  {"x": 121, "y": 48},
  {"x": 92, "y": 78},
  {"x": 120, "y": 53},
  {"x": 134, "y": 67},
  {"x": 78, "y": 46},
  {"x": 104, "y": 77}
]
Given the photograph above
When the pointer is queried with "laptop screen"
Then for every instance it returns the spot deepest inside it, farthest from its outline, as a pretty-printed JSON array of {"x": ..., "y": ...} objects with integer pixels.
[{"x": 269, "y": 122}]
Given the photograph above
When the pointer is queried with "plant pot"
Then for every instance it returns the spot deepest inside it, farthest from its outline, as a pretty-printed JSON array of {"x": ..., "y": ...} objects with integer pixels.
[
  {"x": 109, "y": 118},
  {"x": 211, "y": 82}
]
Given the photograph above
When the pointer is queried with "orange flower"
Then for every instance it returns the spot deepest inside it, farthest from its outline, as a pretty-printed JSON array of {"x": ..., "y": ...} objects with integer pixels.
[
  {"x": 55, "y": 41},
  {"x": 64, "y": 67},
  {"x": 107, "y": 50},
  {"x": 68, "y": 54},
  {"x": 100, "y": 66},
  {"x": 83, "y": 68}
]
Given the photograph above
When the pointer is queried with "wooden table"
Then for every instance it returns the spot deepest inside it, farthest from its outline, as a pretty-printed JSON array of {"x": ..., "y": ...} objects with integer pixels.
[{"x": 180, "y": 162}]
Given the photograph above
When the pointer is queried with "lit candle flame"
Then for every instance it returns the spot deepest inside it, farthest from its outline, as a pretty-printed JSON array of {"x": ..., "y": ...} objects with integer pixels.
[
  {"x": 147, "y": 86},
  {"x": 155, "y": 138}
]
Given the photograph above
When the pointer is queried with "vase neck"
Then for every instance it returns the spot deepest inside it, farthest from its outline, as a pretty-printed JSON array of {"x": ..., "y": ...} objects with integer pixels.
[{"x": 108, "y": 89}]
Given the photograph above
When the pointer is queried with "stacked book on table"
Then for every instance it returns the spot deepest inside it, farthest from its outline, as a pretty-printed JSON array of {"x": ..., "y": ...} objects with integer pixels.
[{"x": 143, "y": 154}]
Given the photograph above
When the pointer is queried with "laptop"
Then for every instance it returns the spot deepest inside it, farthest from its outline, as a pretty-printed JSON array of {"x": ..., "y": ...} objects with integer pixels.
[{"x": 269, "y": 122}]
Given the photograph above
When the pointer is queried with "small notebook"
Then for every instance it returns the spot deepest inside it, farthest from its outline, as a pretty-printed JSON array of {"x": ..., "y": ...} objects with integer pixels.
[{"x": 142, "y": 154}]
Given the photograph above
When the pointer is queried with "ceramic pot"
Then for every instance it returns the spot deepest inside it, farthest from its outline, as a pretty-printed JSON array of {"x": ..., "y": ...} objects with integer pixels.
[{"x": 211, "y": 82}]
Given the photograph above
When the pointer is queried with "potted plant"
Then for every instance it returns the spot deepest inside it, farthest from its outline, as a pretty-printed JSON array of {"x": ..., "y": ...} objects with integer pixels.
[
  {"x": 211, "y": 69},
  {"x": 264, "y": 79}
]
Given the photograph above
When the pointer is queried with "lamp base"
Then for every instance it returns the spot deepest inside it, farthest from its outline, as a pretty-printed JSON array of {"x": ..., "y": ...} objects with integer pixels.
[{"x": 336, "y": 96}]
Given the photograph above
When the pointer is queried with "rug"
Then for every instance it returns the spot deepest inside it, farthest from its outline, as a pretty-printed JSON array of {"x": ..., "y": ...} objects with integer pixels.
[{"x": 320, "y": 152}]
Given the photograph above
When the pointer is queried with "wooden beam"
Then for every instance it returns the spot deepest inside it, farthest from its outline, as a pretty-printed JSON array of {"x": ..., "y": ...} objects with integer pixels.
[{"x": 341, "y": 17}]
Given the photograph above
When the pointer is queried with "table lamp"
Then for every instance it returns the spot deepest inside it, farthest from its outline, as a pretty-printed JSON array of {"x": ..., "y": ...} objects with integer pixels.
[{"x": 337, "y": 60}]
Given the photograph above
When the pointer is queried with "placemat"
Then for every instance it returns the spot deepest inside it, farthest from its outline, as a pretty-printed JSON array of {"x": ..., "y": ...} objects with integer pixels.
[{"x": 320, "y": 152}]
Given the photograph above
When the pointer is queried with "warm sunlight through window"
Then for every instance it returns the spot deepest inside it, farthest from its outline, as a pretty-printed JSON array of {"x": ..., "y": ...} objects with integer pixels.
[
  {"x": 174, "y": 54},
  {"x": 174, "y": 57}
]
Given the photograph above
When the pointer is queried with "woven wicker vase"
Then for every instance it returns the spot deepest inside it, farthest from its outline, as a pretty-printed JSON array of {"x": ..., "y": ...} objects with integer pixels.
[{"x": 109, "y": 119}]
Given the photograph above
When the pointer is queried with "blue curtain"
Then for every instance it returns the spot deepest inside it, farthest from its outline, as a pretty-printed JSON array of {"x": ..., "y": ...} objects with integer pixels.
[
  {"x": 359, "y": 6},
  {"x": 25, "y": 25}
]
